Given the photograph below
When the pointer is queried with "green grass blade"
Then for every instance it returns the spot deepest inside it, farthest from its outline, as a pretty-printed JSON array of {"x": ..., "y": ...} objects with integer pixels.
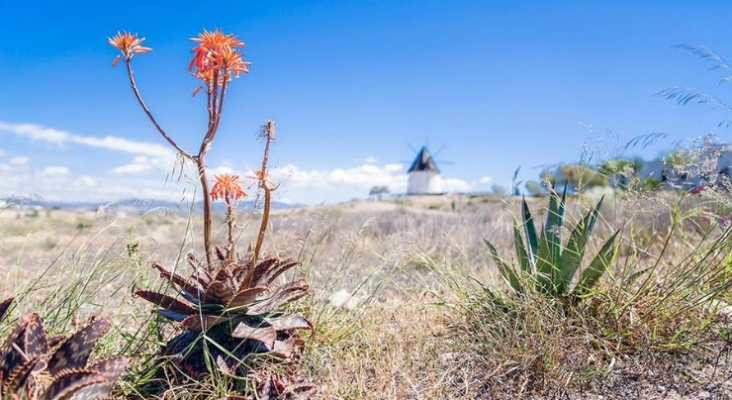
[
  {"x": 597, "y": 267},
  {"x": 506, "y": 270},
  {"x": 572, "y": 255}
]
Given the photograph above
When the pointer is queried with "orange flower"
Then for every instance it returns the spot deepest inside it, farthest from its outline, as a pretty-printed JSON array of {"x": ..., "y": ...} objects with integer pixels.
[
  {"x": 128, "y": 44},
  {"x": 227, "y": 186},
  {"x": 260, "y": 180},
  {"x": 217, "y": 51}
]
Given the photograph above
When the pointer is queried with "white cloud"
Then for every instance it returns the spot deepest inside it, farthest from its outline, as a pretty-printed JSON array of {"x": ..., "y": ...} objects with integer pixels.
[
  {"x": 18, "y": 161},
  {"x": 132, "y": 169},
  {"x": 455, "y": 185},
  {"x": 38, "y": 132},
  {"x": 84, "y": 181},
  {"x": 370, "y": 160},
  {"x": 364, "y": 176},
  {"x": 485, "y": 180},
  {"x": 141, "y": 165},
  {"x": 55, "y": 171}
]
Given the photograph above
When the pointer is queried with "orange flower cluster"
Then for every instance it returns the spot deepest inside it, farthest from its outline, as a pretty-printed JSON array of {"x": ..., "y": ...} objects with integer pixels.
[
  {"x": 227, "y": 186},
  {"x": 128, "y": 44},
  {"x": 217, "y": 56}
]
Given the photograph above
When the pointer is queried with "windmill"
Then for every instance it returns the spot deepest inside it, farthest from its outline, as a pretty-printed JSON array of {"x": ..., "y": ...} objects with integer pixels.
[{"x": 424, "y": 176}]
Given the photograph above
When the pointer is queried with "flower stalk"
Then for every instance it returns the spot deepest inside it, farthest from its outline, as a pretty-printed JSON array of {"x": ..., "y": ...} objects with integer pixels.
[{"x": 216, "y": 59}]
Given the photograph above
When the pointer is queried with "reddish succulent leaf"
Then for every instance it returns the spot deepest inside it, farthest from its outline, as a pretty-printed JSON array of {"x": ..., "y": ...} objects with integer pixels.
[
  {"x": 269, "y": 269},
  {"x": 18, "y": 378},
  {"x": 282, "y": 295},
  {"x": 166, "y": 302},
  {"x": 246, "y": 296},
  {"x": 34, "y": 338},
  {"x": 56, "y": 340},
  {"x": 290, "y": 322},
  {"x": 199, "y": 273},
  {"x": 112, "y": 368},
  {"x": 75, "y": 351},
  {"x": 201, "y": 322},
  {"x": 226, "y": 365},
  {"x": 219, "y": 292},
  {"x": 179, "y": 281},
  {"x": 265, "y": 335},
  {"x": 67, "y": 383},
  {"x": 288, "y": 347},
  {"x": 4, "y": 306},
  {"x": 9, "y": 358}
]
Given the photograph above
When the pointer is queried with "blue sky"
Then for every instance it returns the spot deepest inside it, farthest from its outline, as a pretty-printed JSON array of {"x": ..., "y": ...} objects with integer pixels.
[{"x": 351, "y": 84}]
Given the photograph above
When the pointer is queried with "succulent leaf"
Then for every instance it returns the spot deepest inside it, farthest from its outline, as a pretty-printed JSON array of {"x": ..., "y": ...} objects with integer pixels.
[
  {"x": 172, "y": 316},
  {"x": 266, "y": 335},
  {"x": 284, "y": 294},
  {"x": 201, "y": 322},
  {"x": 166, "y": 302},
  {"x": 290, "y": 322},
  {"x": 34, "y": 338},
  {"x": 68, "y": 383},
  {"x": 4, "y": 306},
  {"x": 75, "y": 351},
  {"x": 16, "y": 381},
  {"x": 246, "y": 296},
  {"x": 192, "y": 288}
]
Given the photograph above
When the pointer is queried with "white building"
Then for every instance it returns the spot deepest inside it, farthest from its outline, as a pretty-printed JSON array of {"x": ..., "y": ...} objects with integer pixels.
[{"x": 424, "y": 176}]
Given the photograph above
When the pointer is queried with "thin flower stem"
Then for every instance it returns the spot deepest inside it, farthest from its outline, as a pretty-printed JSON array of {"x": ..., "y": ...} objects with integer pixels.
[
  {"x": 199, "y": 159},
  {"x": 268, "y": 135},
  {"x": 230, "y": 220},
  {"x": 206, "y": 210},
  {"x": 149, "y": 114}
]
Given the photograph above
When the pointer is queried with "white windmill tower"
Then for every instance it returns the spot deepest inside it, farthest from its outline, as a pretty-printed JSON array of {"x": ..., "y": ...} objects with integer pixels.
[{"x": 424, "y": 176}]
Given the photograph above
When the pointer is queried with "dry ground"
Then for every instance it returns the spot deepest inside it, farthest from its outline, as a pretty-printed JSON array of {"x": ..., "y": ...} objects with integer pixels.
[{"x": 388, "y": 278}]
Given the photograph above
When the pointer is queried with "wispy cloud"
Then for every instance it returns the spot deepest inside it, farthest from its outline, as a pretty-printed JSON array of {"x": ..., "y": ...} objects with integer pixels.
[
  {"x": 18, "y": 161},
  {"x": 141, "y": 165},
  {"x": 55, "y": 136},
  {"x": 54, "y": 171}
]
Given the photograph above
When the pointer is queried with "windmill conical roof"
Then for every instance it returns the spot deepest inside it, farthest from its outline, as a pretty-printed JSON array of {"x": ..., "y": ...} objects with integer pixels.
[{"x": 424, "y": 162}]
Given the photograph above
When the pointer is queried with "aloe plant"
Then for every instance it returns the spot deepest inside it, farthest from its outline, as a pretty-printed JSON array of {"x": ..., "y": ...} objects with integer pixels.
[
  {"x": 36, "y": 367},
  {"x": 230, "y": 314},
  {"x": 548, "y": 264}
]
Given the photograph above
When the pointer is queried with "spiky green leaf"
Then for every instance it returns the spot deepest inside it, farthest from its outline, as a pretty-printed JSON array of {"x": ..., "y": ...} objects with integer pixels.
[
  {"x": 572, "y": 255},
  {"x": 532, "y": 238},
  {"x": 506, "y": 270},
  {"x": 597, "y": 267}
]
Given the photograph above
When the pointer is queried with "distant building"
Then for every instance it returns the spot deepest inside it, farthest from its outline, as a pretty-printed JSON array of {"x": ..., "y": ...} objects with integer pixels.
[{"x": 424, "y": 176}]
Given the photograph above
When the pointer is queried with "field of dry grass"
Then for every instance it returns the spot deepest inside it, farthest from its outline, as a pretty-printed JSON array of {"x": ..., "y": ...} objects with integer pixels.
[{"x": 406, "y": 301}]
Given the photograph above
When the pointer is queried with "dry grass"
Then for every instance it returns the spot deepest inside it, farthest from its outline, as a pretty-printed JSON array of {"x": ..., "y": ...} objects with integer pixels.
[{"x": 415, "y": 322}]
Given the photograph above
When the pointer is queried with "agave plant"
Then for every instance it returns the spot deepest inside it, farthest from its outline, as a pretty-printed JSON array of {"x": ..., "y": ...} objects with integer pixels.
[
  {"x": 229, "y": 314},
  {"x": 36, "y": 367},
  {"x": 545, "y": 261}
]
